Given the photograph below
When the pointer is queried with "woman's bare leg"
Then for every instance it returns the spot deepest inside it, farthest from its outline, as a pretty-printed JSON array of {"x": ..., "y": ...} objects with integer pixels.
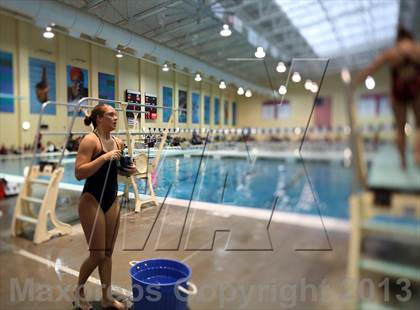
[
  {"x": 400, "y": 114},
  {"x": 112, "y": 222},
  {"x": 416, "y": 109},
  {"x": 93, "y": 224}
]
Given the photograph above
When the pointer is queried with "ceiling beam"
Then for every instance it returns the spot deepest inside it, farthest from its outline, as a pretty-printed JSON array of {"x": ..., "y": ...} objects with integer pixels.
[
  {"x": 233, "y": 52},
  {"x": 150, "y": 12},
  {"x": 160, "y": 28},
  {"x": 93, "y": 4},
  {"x": 187, "y": 31},
  {"x": 244, "y": 4},
  {"x": 232, "y": 48},
  {"x": 185, "y": 35},
  {"x": 217, "y": 40},
  {"x": 233, "y": 65},
  {"x": 266, "y": 14},
  {"x": 175, "y": 26}
]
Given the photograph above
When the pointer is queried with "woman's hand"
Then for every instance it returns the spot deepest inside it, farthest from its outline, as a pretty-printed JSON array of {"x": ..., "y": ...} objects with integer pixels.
[
  {"x": 112, "y": 155},
  {"x": 132, "y": 170},
  {"x": 127, "y": 171}
]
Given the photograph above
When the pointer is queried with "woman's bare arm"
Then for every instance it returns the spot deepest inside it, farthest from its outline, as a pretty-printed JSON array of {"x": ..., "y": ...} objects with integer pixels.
[
  {"x": 84, "y": 167},
  {"x": 415, "y": 52},
  {"x": 372, "y": 68}
]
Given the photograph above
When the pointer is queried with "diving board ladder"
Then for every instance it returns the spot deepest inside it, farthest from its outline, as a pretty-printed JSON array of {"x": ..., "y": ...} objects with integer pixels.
[
  {"x": 24, "y": 206},
  {"x": 143, "y": 168},
  {"x": 364, "y": 212},
  {"x": 366, "y": 207},
  {"x": 146, "y": 169}
]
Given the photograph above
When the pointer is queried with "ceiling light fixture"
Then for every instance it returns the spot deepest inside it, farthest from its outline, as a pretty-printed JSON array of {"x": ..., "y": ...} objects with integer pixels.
[
  {"x": 48, "y": 34},
  {"x": 281, "y": 67},
  {"x": 370, "y": 82},
  {"x": 314, "y": 87},
  {"x": 240, "y": 91},
  {"x": 308, "y": 84},
  {"x": 165, "y": 67},
  {"x": 198, "y": 77},
  {"x": 296, "y": 77},
  {"x": 260, "y": 52},
  {"x": 248, "y": 93},
  {"x": 225, "y": 32},
  {"x": 222, "y": 84},
  {"x": 282, "y": 90},
  {"x": 26, "y": 125},
  {"x": 119, "y": 55}
]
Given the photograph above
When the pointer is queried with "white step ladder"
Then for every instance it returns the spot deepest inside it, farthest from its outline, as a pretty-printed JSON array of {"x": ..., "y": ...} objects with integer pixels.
[
  {"x": 24, "y": 212},
  {"x": 145, "y": 172},
  {"x": 362, "y": 214},
  {"x": 143, "y": 167}
]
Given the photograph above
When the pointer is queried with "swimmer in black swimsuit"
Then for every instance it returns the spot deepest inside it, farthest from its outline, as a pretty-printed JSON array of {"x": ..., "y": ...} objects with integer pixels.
[
  {"x": 103, "y": 183},
  {"x": 98, "y": 208},
  {"x": 404, "y": 60}
]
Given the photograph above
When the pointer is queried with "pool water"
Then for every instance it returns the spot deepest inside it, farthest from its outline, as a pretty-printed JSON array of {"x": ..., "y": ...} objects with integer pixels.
[{"x": 237, "y": 182}]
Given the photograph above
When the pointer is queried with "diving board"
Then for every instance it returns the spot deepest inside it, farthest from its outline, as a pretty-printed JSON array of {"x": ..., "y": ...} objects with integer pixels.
[{"x": 385, "y": 171}]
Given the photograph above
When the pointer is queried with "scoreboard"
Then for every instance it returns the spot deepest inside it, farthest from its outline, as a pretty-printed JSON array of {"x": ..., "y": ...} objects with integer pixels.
[{"x": 151, "y": 112}]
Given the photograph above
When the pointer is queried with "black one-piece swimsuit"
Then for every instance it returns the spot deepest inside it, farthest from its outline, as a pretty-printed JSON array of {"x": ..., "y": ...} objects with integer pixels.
[{"x": 104, "y": 182}]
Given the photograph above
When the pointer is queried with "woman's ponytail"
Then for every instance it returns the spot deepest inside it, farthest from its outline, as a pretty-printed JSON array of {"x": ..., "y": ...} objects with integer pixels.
[
  {"x": 87, "y": 120},
  {"x": 98, "y": 110}
]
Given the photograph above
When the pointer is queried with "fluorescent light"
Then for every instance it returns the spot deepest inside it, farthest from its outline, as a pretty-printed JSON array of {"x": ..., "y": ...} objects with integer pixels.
[
  {"x": 282, "y": 90},
  {"x": 296, "y": 77},
  {"x": 165, "y": 67},
  {"x": 222, "y": 84},
  {"x": 48, "y": 34},
  {"x": 198, "y": 77},
  {"x": 240, "y": 91},
  {"x": 281, "y": 67},
  {"x": 370, "y": 82},
  {"x": 260, "y": 52},
  {"x": 248, "y": 93},
  {"x": 119, "y": 55},
  {"x": 225, "y": 32}
]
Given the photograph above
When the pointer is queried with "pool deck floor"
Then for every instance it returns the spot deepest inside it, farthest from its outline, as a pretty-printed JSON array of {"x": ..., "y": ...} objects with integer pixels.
[{"x": 252, "y": 277}]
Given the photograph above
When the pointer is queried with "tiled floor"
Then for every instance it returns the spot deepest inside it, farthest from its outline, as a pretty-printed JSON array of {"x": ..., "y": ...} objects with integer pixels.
[{"x": 251, "y": 276}]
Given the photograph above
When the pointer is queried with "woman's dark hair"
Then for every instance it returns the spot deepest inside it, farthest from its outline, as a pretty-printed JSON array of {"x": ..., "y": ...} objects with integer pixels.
[
  {"x": 99, "y": 110},
  {"x": 404, "y": 34}
]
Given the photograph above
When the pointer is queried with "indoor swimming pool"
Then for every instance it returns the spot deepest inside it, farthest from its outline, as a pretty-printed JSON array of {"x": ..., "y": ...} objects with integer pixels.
[{"x": 239, "y": 182}]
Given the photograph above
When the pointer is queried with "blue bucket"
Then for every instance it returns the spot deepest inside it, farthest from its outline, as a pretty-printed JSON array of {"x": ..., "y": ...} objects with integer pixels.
[{"x": 161, "y": 284}]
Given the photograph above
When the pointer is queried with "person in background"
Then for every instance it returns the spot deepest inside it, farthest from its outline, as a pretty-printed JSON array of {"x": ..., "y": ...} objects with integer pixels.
[
  {"x": 404, "y": 61},
  {"x": 3, "y": 150},
  {"x": 40, "y": 147},
  {"x": 51, "y": 147}
]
